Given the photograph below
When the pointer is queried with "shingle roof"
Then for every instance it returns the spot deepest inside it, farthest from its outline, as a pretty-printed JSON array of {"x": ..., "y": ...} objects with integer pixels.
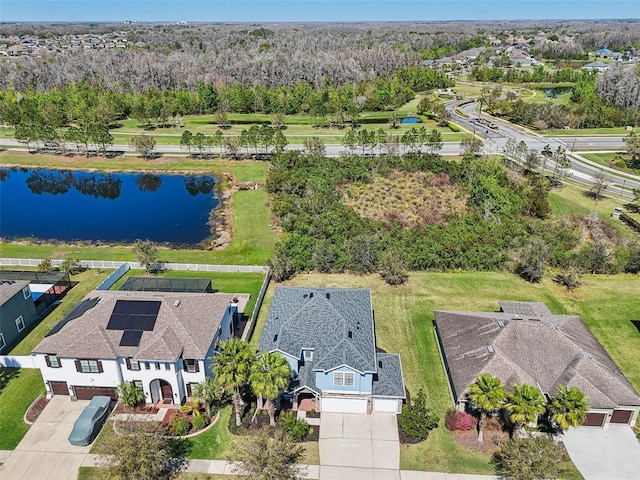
[
  {"x": 388, "y": 382},
  {"x": 9, "y": 289},
  {"x": 546, "y": 350},
  {"x": 337, "y": 323},
  {"x": 185, "y": 329}
]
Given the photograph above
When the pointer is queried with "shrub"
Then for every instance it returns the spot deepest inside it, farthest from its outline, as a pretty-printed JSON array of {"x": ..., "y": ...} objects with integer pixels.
[
  {"x": 569, "y": 278},
  {"x": 418, "y": 420},
  {"x": 294, "y": 428},
  {"x": 72, "y": 265},
  {"x": 453, "y": 127},
  {"x": 455, "y": 420},
  {"x": 199, "y": 422},
  {"x": 130, "y": 394},
  {"x": 180, "y": 425}
]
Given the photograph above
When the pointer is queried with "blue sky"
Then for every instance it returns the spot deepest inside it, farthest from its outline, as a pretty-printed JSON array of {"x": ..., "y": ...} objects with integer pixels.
[{"x": 312, "y": 10}]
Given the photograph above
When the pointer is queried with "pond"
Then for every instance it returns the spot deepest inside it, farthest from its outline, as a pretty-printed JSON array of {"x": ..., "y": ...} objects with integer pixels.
[
  {"x": 71, "y": 206},
  {"x": 555, "y": 92}
]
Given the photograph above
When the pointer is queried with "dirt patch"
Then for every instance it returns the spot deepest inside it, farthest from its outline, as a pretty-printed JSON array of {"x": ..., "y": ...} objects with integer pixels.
[
  {"x": 249, "y": 427},
  {"x": 36, "y": 409},
  {"x": 412, "y": 200}
]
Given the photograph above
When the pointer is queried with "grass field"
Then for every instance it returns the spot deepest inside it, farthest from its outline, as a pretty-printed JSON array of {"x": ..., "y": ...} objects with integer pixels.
[
  {"x": 19, "y": 387},
  {"x": 404, "y": 318},
  {"x": 92, "y": 473},
  {"x": 585, "y": 132},
  {"x": 241, "y": 170}
]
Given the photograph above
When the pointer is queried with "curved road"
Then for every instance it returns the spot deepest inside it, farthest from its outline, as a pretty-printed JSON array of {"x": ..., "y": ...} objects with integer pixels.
[{"x": 582, "y": 170}]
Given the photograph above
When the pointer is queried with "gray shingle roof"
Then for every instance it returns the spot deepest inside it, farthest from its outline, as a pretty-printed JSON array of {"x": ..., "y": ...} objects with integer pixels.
[
  {"x": 549, "y": 351},
  {"x": 8, "y": 290},
  {"x": 388, "y": 382},
  {"x": 336, "y": 322},
  {"x": 185, "y": 329}
]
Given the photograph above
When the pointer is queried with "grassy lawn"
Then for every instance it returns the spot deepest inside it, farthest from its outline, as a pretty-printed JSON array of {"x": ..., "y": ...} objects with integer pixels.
[
  {"x": 252, "y": 240},
  {"x": 404, "y": 318},
  {"x": 584, "y": 132},
  {"x": 242, "y": 170},
  {"x": 224, "y": 282},
  {"x": 91, "y": 473},
  {"x": 19, "y": 387}
]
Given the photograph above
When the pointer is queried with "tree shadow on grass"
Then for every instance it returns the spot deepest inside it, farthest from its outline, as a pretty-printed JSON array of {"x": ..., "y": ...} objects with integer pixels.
[{"x": 6, "y": 375}]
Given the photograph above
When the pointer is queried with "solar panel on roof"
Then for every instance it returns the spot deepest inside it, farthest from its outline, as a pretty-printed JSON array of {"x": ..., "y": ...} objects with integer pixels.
[
  {"x": 131, "y": 338},
  {"x": 76, "y": 312},
  {"x": 134, "y": 315}
]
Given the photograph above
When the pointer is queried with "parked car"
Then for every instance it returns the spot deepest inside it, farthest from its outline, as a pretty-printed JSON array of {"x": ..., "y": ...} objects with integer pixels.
[{"x": 90, "y": 421}]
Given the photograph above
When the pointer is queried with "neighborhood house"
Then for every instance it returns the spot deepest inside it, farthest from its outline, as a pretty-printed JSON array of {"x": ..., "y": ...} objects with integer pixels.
[
  {"x": 328, "y": 337},
  {"x": 161, "y": 341},
  {"x": 525, "y": 343}
]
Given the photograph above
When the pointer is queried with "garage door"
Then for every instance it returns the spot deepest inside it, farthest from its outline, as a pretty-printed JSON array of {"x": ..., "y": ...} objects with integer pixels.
[
  {"x": 389, "y": 405},
  {"x": 59, "y": 388},
  {"x": 594, "y": 420},
  {"x": 621, "y": 416},
  {"x": 343, "y": 405},
  {"x": 87, "y": 393}
]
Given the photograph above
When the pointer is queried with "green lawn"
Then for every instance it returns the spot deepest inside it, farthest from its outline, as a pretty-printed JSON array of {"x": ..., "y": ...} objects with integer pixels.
[
  {"x": 214, "y": 443},
  {"x": 241, "y": 170},
  {"x": 583, "y": 132},
  {"x": 19, "y": 387},
  {"x": 91, "y": 473},
  {"x": 404, "y": 317}
]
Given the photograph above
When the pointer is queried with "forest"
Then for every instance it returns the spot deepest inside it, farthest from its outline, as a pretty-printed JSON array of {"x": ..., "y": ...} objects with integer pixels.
[{"x": 495, "y": 218}]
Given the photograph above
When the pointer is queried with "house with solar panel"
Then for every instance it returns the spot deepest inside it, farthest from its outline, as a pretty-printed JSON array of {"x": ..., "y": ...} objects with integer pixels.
[
  {"x": 162, "y": 341},
  {"x": 328, "y": 337}
]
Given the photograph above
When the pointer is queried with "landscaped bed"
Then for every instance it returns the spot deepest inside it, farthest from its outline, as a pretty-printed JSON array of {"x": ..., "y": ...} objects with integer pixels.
[{"x": 36, "y": 409}]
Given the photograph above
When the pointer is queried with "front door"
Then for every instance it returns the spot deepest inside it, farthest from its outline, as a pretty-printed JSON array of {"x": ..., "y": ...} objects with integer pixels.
[{"x": 167, "y": 391}]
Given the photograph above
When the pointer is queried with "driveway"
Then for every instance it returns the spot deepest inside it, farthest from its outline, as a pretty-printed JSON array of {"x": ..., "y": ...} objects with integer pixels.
[
  {"x": 44, "y": 452},
  {"x": 359, "y": 447},
  {"x": 604, "y": 453}
]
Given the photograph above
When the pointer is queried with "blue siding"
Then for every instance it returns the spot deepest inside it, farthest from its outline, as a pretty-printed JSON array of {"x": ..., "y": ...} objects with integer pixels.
[{"x": 362, "y": 382}]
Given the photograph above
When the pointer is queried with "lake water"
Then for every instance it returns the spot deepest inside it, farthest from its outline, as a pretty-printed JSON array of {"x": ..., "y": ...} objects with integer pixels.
[
  {"x": 555, "y": 92},
  {"x": 117, "y": 207}
]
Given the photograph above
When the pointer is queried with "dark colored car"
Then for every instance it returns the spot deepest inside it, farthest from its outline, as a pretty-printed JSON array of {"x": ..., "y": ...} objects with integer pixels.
[{"x": 90, "y": 421}]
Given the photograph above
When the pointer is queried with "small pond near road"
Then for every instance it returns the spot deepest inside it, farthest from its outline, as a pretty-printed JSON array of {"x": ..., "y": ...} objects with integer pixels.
[{"x": 70, "y": 206}]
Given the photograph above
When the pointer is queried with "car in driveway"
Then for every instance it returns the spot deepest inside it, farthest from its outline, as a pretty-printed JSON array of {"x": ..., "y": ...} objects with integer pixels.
[{"x": 90, "y": 421}]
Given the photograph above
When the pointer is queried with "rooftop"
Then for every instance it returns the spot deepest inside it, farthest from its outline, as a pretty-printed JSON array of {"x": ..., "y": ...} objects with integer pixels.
[
  {"x": 185, "y": 325},
  {"x": 9, "y": 289},
  {"x": 525, "y": 343}
]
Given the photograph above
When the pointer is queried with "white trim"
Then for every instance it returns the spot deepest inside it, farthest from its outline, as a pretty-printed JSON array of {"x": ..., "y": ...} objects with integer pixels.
[
  {"x": 27, "y": 290},
  {"x": 19, "y": 321},
  {"x": 343, "y": 381},
  {"x": 307, "y": 354},
  {"x": 344, "y": 365},
  {"x": 2, "y": 342}
]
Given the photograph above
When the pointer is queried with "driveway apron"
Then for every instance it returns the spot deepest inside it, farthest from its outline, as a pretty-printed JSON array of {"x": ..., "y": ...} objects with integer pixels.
[
  {"x": 611, "y": 453},
  {"x": 44, "y": 452},
  {"x": 362, "y": 447}
]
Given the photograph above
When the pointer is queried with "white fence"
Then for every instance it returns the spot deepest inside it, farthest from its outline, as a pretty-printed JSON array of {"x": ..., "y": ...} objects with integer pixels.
[
  {"x": 17, "y": 361},
  {"x": 34, "y": 262}
]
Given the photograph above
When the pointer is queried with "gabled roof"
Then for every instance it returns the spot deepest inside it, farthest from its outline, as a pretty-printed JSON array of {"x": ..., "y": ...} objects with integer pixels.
[
  {"x": 388, "y": 382},
  {"x": 185, "y": 326},
  {"x": 525, "y": 344},
  {"x": 337, "y": 323}
]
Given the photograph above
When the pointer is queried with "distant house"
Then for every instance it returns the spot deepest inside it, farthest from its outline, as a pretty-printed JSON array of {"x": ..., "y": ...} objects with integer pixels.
[
  {"x": 328, "y": 337},
  {"x": 606, "y": 53},
  {"x": 17, "y": 311},
  {"x": 595, "y": 66},
  {"x": 525, "y": 343},
  {"x": 161, "y": 341}
]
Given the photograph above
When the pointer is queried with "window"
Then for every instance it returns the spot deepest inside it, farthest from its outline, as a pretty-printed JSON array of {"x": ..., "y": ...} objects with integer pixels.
[
  {"x": 167, "y": 366},
  {"x": 308, "y": 355},
  {"x": 147, "y": 366},
  {"x": 191, "y": 365},
  {"x": 2, "y": 342},
  {"x": 133, "y": 364},
  {"x": 346, "y": 379},
  {"x": 52, "y": 361},
  {"x": 157, "y": 365},
  {"x": 20, "y": 323},
  {"x": 89, "y": 366},
  {"x": 26, "y": 291},
  {"x": 138, "y": 383}
]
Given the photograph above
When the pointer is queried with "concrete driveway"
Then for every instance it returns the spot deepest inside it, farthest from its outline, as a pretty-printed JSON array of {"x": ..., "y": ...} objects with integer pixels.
[
  {"x": 604, "y": 453},
  {"x": 44, "y": 452},
  {"x": 359, "y": 447}
]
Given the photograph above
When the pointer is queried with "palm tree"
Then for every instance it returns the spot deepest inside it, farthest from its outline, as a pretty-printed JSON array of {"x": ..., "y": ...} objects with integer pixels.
[
  {"x": 487, "y": 395},
  {"x": 568, "y": 408},
  {"x": 524, "y": 405},
  {"x": 231, "y": 367},
  {"x": 270, "y": 373},
  {"x": 207, "y": 392}
]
